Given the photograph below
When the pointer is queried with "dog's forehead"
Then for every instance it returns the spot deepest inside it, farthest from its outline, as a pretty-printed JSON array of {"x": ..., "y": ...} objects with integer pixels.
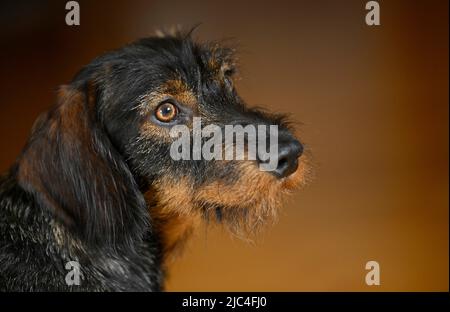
[
  {"x": 184, "y": 59},
  {"x": 190, "y": 72}
]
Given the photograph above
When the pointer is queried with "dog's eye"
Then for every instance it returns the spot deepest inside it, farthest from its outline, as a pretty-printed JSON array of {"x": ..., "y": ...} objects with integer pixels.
[{"x": 166, "y": 112}]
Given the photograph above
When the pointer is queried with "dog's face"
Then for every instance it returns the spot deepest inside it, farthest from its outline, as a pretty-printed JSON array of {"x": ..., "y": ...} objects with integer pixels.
[
  {"x": 151, "y": 86},
  {"x": 110, "y": 138}
]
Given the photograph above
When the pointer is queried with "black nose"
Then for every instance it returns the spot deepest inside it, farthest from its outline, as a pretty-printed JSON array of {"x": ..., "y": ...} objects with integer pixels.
[{"x": 288, "y": 154}]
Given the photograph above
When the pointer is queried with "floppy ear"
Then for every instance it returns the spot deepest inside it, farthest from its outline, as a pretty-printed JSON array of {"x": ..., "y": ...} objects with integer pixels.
[{"x": 72, "y": 168}]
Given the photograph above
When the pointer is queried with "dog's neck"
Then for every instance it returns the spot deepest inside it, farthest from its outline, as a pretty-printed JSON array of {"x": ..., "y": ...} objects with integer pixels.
[{"x": 172, "y": 229}]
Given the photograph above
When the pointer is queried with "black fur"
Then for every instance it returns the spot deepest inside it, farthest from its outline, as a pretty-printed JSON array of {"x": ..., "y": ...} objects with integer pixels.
[{"x": 76, "y": 192}]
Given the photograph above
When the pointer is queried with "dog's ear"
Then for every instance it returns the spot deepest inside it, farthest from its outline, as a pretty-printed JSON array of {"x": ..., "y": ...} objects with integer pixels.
[{"x": 71, "y": 167}]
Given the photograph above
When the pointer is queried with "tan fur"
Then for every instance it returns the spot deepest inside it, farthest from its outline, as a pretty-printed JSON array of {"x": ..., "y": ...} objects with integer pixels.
[
  {"x": 257, "y": 194},
  {"x": 69, "y": 120},
  {"x": 175, "y": 205},
  {"x": 171, "y": 209}
]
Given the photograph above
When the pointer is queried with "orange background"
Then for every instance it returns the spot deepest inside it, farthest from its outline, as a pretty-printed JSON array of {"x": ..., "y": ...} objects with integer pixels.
[{"x": 374, "y": 106}]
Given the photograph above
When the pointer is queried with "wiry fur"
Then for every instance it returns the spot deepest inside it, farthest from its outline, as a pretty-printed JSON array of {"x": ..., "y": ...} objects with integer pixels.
[{"x": 95, "y": 182}]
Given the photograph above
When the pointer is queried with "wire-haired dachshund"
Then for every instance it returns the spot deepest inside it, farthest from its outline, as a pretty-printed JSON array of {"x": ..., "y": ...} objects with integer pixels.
[{"x": 96, "y": 186}]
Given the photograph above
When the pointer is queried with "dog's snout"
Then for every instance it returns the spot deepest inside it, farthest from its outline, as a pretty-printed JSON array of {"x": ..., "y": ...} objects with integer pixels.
[
  {"x": 285, "y": 161},
  {"x": 288, "y": 154}
]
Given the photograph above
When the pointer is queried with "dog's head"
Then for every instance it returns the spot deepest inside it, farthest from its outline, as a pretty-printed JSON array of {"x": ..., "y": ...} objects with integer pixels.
[{"x": 137, "y": 120}]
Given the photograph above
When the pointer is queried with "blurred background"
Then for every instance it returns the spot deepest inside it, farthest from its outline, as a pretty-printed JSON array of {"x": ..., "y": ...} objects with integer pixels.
[{"x": 373, "y": 103}]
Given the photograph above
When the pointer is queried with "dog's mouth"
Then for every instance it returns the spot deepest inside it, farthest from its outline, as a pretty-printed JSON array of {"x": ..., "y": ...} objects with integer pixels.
[
  {"x": 244, "y": 206},
  {"x": 251, "y": 202}
]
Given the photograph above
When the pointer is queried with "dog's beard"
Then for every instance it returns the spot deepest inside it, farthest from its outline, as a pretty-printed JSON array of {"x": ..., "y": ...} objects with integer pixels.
[
  {"x": 251, "y": 203},
  {"x": 244, "y": 206},
  {"x": 241, "y": 221}
]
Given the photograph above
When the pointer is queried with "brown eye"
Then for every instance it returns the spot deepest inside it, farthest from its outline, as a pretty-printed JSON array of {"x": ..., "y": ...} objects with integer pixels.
[{"x": 166, "y": 112}]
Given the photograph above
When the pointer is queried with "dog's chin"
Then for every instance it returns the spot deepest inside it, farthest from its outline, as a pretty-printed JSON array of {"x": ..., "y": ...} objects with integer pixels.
[
  {"x": 248, "y": 206},
  {"x": 244, "y": 207}
]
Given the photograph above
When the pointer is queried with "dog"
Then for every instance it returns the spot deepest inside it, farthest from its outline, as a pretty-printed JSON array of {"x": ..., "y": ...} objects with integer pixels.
[{"x": 95, "y": 193}]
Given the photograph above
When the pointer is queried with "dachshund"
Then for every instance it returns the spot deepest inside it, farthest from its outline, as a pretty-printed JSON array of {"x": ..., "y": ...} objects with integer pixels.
[{"x": 95, "y": 202}]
